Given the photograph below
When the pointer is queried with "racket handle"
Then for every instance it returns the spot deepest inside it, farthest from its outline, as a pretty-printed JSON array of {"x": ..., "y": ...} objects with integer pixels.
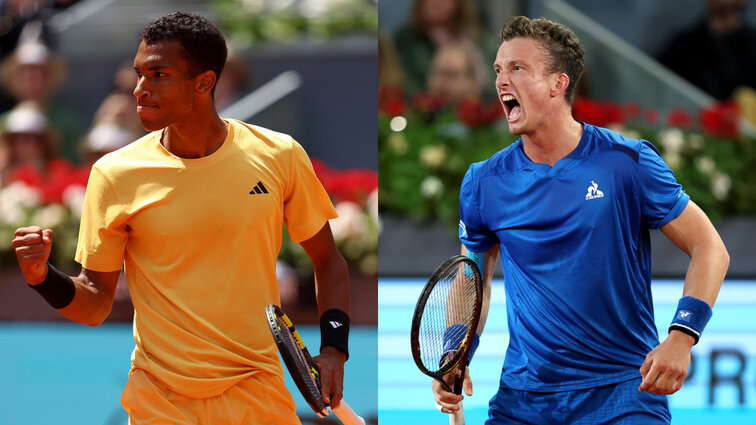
[
  {"x": 346, "y": 415},
  {"x": 458, "y": 417}
]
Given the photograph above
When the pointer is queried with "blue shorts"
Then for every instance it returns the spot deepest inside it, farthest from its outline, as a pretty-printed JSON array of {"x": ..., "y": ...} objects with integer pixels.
[{"x": 619, "y": 403}]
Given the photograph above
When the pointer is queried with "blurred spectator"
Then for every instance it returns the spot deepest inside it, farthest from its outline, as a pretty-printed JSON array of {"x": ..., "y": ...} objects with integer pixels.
[
  {"x": 453, "y": 76},
  {"x": 21, "y": 20},
  {"x": 27, "y": 140},
  {"x": 389, "y": 70},
  {"x": 34, "y": 73},
  {"x": 432, "y": 24},
  {"x": 719, "y": 53},
  {"x": 232, "y": 82},
  {"x": 104, "y": 138},
  {"x": 119, "y": 107}
]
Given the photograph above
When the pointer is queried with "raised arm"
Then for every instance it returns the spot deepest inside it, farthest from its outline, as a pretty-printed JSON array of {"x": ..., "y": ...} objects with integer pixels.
[
  {"x": 86, "y": 298},
  {"x": 332, "y": 290},
  {"x": 666, "y": 367}
]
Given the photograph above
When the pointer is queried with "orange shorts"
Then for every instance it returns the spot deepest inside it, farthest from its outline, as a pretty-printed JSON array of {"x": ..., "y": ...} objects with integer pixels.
[{"x": 261, "y": 399}]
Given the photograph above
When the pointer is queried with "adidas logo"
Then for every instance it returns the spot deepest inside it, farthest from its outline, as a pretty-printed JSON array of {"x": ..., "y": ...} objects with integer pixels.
[
  {"x": 258, "y": 189},
  {"x": 593, "y": 191},
  {"x": 336, "y": 324}
]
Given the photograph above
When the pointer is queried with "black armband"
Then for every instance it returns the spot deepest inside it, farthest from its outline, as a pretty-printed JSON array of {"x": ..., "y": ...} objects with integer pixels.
[
  {"x": 334, "y": 330},
  {"x": 57, "y": 289}
]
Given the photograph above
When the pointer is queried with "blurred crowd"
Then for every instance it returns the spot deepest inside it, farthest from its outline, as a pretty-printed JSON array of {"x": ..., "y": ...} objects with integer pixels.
[
  {"x": 35, "y": 126},
  {"x": 444, "y": 50}
]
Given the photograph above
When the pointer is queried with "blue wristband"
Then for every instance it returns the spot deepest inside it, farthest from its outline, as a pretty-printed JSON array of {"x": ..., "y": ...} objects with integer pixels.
[
  {"x": 453, "y": 338},
  {"x": 691, "y": 317}
]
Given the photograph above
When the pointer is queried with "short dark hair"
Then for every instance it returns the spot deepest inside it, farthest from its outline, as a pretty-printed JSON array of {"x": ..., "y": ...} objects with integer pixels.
[
  {"x": 561, "y": 45},
  {"x": 204, "y": 45}
]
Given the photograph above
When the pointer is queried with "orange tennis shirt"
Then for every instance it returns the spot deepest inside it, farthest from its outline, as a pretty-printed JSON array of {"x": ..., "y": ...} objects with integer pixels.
[{"x": 199, "y": 240}]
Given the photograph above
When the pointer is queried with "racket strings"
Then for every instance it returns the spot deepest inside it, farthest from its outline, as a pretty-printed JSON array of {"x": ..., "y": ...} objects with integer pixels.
[
  {"x": 301, "y": 363},
  {"x": 447, "y": 318}
]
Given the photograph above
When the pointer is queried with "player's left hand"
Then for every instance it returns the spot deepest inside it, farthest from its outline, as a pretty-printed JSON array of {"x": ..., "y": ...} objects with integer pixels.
[
  {"x": 331, "y": 365},
  {"x": 666, "y": 366}
]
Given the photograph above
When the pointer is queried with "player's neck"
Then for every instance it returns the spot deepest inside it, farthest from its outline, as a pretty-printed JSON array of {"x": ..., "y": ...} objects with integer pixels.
[
  {"x": 195, "y": 138},
  {"x": 553, "y": 141}
]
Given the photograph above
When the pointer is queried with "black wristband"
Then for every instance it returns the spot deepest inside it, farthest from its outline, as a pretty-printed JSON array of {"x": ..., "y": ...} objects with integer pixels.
[
  {"x": 334, "y": 330},
  {"x": 57, "y": 289}
]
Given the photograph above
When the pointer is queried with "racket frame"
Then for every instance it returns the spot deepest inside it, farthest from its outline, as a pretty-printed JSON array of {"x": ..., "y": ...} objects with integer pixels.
[
  {"x": 461, "y": 355},
  {"x": 274, "y": 313}
]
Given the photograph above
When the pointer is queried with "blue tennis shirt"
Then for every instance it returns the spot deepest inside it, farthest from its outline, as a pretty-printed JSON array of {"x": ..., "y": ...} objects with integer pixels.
[{"x": 574, "y": 241}]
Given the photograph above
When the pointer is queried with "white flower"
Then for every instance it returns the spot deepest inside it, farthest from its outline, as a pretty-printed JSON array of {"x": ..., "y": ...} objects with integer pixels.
[
  {"x": 18, "y": 193},
  {"x": 398, "y": 143},
  {"x": 11, "y": 214},
  {"x": 673, "y": 160},
  {"x": 253, "y": 6},
  {"x": 720, "y": 185},
  {"x": 14, "y": 200},
  {"x": 696, "y": 141},
  {"x": 73, "y": 198},
  {"x": 433, "y": 156},
  {"x": 431, "y": 187},
  {"x": 49, "y": 216},
  {"x": 673, "y": 140},
  {"x": 351, "y": 222},
  {"x": 705, "y": 164}
]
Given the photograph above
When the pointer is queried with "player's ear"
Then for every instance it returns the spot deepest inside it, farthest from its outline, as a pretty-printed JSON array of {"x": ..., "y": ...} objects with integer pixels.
[
  {"x": 205, "y": 81},
  {"x": 559, "y": 85}
]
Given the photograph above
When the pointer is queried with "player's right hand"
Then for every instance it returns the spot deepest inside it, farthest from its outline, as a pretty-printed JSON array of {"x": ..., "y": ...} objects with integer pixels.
[
  {"x": 32, "y": 246},
  {"x": 447, "y": 401}
]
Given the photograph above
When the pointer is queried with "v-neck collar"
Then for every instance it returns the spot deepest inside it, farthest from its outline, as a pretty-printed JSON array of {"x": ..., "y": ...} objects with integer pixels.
[{"x": 563, "y": 163}]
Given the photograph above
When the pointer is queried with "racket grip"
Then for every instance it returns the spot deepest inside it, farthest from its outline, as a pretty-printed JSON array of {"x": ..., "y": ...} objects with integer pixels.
[
  {"x": 347, "y": 416},
  {"x": 458, "y": 417}
]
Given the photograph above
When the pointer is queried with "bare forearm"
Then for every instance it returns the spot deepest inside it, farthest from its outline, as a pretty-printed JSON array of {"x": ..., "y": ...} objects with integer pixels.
[
  {"x": 706, "y": 271},
  {"x": 332, "y": 286},
  {"x": 91, "y": 305}
]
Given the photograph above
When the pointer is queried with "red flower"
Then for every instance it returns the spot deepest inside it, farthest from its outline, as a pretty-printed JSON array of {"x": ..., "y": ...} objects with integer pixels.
[
  {"x": 427, "y": 103},
  {"x": 680, "y": 118},
  {"x": 58, "y": 176},
  {"x": 475, "y": 114},
  {"x": 632, "y": 110},
  {"x": 651, "y": 116},
  {"x": 352, "y": 185},
  {"x": 391, "y": 101},
  {"x": 588, "y": 111},
  {"x": 721, "y": 119},
  {"x": 29, "y": 175}
]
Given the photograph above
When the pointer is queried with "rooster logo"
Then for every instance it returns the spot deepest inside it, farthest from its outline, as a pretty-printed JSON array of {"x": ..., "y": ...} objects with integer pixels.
[{"x": 593, "y": 191}]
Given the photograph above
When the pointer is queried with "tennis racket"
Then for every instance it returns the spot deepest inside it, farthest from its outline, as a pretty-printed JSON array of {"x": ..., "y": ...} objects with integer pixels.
[
  {"x": 302, "y": 368},
  {"x": 446, "y": 316}
]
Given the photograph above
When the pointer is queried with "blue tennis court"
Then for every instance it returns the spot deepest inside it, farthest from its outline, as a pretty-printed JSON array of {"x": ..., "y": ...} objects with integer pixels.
[
  {"x": 69, "y": 374},
  {"x": 721, "y": 387}
]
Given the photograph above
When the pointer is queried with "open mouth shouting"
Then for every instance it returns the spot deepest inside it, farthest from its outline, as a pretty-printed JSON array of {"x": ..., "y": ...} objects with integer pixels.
[{"x": 512, "y": 107}]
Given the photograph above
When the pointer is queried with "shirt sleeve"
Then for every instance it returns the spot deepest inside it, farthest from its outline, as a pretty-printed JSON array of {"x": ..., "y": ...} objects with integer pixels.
[
  {"x": 307, "y": 206},
  {"x": 473, "y": 232},
  {"x": 663, "y": 197},
  {"x": 103, "y": 231}
]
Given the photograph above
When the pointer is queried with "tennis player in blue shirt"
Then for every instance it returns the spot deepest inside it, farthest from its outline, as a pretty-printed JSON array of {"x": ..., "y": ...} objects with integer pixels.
[{"x": 568, "y": 207}]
